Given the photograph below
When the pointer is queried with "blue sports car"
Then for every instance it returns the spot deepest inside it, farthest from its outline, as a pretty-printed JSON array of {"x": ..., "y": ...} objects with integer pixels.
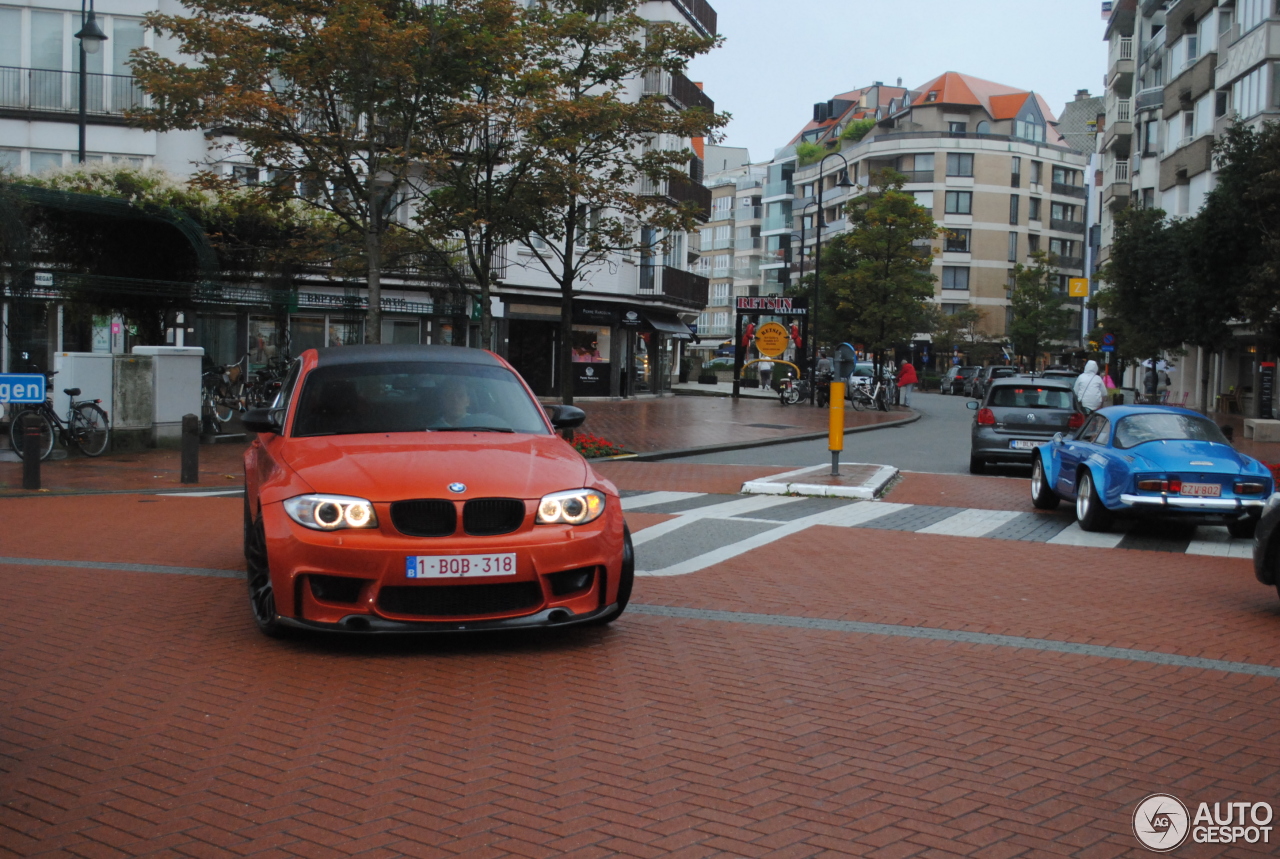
[{"x": 1155, "y": 461}]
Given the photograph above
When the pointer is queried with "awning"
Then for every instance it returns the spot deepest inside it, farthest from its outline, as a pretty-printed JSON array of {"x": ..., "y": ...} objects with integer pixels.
[{"x": 668, "y": 323}]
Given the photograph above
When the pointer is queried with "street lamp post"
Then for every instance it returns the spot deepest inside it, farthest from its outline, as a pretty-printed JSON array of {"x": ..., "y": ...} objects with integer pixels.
[
  {"x": 799, "y": 279},
  {"x": 91, "y": 38},
  {"x": 817, "y": 250}
]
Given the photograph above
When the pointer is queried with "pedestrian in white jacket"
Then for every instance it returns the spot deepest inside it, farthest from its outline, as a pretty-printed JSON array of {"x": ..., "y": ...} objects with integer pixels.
[{"x": 1089, "y": 388}]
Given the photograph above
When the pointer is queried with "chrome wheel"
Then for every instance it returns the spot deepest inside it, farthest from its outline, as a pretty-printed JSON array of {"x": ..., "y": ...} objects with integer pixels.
[
  {"x": 1082, "y": 497},
  {"x": 1037, "y": 479}
]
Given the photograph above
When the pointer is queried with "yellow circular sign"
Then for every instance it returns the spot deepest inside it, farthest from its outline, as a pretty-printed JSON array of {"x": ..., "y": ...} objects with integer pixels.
[{"x": 772, "y": 339}]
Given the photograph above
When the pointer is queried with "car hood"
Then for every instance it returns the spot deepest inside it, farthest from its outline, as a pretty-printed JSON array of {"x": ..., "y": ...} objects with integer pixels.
[
  {"x": 392, "y": 467},
  {"x": 1178, "y": 456}
]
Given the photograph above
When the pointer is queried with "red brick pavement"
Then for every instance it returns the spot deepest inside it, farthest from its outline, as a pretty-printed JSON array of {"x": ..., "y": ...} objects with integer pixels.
[
  {"x": 959, "y": 490},
  {"x": 221, "y": 467},
  {"x": 142, "y": 713},
  {"x": 683, "y": 477}
]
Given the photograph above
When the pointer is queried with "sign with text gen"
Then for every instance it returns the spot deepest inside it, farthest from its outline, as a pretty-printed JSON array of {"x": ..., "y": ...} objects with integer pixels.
[{"x": 21, "y": 388}]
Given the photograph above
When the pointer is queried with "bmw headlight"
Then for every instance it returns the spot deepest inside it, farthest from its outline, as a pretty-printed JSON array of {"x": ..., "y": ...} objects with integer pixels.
[
  {"x": 574, "y": 507},
  {"x": 331, "y": 512}
]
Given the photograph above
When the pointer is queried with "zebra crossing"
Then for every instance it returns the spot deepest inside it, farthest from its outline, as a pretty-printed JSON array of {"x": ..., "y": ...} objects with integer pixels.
[{"x": 709, "y": 529}]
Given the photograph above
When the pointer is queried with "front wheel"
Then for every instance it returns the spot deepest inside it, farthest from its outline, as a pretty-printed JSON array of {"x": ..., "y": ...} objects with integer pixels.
[
  {"x": 90, "y": 429},
  {"x": 790, "y": 396},
  {"x": 1090, "y": 513},
  {"x": 17, "y": 431},
  {"x": 262, "y": 598},
  {"x": 1042, "y": 497},
  {"x": 626, "y": 582}
]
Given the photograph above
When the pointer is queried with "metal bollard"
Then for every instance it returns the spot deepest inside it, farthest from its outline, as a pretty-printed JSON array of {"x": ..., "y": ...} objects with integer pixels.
[
  {"x": 31, "y": 452},
  {"x": 190, "y": 449}
]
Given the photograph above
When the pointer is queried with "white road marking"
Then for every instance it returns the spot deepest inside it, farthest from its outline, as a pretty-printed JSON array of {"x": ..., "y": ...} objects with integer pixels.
[
  {"x": 633, "y": 502},
  {"x": 1072, "y": 535},
  {"x": 853, "y": 515},
  {"x": 971, "y": 523},
  {"x": 724, "y": 553},
  {"x": 1217, "y": 542},
  {"x": 750, "y": 504},
  {"x": 209, "y": 494}
]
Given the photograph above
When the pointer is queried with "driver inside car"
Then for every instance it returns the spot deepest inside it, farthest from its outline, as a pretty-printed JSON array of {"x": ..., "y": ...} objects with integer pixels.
[{"x": 454, "y": 401}]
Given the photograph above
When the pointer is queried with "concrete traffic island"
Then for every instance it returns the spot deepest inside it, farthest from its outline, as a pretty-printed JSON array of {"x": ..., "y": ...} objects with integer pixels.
[{"x": 855, "y": 480}]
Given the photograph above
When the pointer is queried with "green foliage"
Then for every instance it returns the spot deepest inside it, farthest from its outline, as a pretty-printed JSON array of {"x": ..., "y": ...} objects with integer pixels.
[
  {"x": 875, "y": 278},
  {"x": 1041, "y": 315},
  {"x": 808, "y": 153},
  {"x": 954, "y": 330},
  {"x": 857, "y": 129}
]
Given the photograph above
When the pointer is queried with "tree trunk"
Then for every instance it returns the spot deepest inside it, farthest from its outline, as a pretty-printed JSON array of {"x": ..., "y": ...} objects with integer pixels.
[
  {"x": 566, "y": 306},
  {"x": 373, "y": 254}
]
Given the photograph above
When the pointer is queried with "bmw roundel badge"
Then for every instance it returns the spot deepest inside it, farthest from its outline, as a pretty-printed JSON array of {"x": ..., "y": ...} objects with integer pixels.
[{"x": 457, "y": 487}]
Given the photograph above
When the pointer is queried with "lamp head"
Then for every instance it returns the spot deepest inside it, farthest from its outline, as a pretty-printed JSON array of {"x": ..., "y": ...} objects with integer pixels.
[
  {"x": 844, "y": 180},
  {"x": 91, "y": 36}
]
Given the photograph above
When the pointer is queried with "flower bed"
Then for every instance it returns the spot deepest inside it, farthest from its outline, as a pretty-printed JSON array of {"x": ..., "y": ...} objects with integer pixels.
[{"x": 593, "y": 446}]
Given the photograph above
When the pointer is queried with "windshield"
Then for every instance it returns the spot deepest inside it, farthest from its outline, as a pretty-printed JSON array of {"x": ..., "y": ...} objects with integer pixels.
[
  {"x": 1139, "y": 429},
  {"x": 414, "y": 397},
  {"x": 1013, "y": 396}
]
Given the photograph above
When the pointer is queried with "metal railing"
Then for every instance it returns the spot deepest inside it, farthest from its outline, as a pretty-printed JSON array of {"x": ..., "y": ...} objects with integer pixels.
[
  {"x": 918, "y": 175},
  {"x": 1065, "y": 190},
  {"x": 1067, "y": 226},
  {"x": 682, "y": 191},
  {"x": 679, "y": 284},
  {"x": 1069, "y": 262},
  {"x": 52, "y": 91},
  {"x": 1122, "y": 48},
  {"x": 1120, "y": 110},
  {"x": 1152, "y": 47},
  {"x": 699, "y": 13},
  {"x": 676, "y": 87},
  {"x": 1120, "y": 171},
  {"x": 1150, "y": 97}
]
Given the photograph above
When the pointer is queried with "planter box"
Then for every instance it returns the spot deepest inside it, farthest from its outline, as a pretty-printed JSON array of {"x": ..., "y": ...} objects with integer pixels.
[{"x": 708, "y": 379}]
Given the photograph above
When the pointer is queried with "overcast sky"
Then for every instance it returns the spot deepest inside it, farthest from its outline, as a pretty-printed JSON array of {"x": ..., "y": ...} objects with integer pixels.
[{"x": 782, "y": 56}]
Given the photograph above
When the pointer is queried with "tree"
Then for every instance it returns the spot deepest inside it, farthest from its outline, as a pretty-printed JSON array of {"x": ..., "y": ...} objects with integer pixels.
[
  {"x": 597, "y": 167},
  {"x": 876, "y": 277},
  {"x": 1144, "y": 300},
  {"x": 1041, "y": 315},
  {"x": 328, "y": 98},
  {"x": 953, "y": 330}
]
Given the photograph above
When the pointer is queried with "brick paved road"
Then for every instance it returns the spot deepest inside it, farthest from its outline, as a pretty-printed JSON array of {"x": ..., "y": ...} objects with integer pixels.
[{"x": 838, "y": 691}]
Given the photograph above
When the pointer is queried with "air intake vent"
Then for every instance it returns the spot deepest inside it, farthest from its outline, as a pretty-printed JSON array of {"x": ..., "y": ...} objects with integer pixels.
[
  {"x": 425, "y": 517},
  {"x": 459, "y": 600},
  {"x": 487, "y": 517}
]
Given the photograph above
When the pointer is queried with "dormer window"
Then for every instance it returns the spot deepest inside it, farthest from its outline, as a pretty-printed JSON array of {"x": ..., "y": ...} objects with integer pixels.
[
  {"x": 1030, "y": 127},
  {"x": 932, "y": 96}
]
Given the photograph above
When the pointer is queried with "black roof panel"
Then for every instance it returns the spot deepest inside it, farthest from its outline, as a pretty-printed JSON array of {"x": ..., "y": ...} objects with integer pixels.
[{"x": 372, "y": 354}]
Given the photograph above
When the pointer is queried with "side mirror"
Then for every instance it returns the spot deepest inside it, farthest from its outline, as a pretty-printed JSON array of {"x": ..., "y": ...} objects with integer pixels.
[
  {"x": 261, "y": 421},
  {"x": 972, "y": 405},
  {"x": 565, "y": 417}
]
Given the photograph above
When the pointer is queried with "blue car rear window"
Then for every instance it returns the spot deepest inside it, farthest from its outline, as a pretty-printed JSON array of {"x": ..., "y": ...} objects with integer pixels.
[{"x": 1134, "y": 430}]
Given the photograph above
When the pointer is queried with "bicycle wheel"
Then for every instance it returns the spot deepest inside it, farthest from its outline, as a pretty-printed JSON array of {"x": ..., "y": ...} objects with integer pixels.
[
  {"x": 882, "y": 400},
  {"x": 18, "y": 426},
  {"x": 856, "y": 400},
  {"x": 222, "y": 407},
  {"x": 90, "y": 429}
]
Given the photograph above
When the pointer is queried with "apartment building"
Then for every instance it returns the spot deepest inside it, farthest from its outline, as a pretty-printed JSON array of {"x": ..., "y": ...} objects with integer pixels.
[
  {"x": 1179, "y": 73},
  {"x": 985, "y": 158},
  {"x": 631, "y": 321}
]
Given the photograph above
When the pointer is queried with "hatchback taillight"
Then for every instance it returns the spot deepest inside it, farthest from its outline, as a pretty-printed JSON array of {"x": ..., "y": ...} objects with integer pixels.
[
  {"x": 986, "y": 418},
  {"x": 1175, "y": 485},
  {"x": 1152, "y": 485},
  {"x": 1075, "y": 421},
  {"x": 1250, "y": 488}
]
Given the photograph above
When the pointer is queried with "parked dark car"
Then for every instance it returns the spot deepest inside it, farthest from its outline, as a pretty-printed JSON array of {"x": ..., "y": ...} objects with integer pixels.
[
  {"x": 1266, "y": 541},
  {"x": 1018, "y": 415},
  {"x": 985, "y": 376},
  {"x": 956, "y": 379}
]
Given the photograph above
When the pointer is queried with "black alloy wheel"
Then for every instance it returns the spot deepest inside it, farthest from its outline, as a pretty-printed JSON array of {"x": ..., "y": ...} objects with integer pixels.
[
  {"x": 625, "y": 582},
  {"x": 262, "y": 598}
]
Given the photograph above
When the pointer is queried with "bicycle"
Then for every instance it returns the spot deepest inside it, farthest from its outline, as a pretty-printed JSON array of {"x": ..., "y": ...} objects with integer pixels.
[
  {"x": 792, "y": 391},
  {"x": 869, "y": 396},
  {"x": 87, "y": 426}
]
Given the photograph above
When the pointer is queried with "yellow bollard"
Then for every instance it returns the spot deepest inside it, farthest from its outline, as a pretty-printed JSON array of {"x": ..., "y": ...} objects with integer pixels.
[{"x": 835, "y": 425}]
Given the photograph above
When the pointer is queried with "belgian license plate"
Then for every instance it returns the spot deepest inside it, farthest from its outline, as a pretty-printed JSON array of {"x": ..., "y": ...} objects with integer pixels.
[
  {"x": 459, "y": 566},
  {"x": 1208, "y": 490},
  {"x": 1023, "y": 444}
]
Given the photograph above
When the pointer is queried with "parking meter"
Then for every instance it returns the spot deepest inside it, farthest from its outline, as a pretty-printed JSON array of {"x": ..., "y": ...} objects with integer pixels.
[
  {"x": 845, "y": 361},
  {"x": 843, "y": 364}
]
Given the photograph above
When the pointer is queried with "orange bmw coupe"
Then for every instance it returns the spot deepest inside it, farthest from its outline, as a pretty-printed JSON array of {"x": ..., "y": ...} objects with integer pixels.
[{"x": 423, "y": 489}]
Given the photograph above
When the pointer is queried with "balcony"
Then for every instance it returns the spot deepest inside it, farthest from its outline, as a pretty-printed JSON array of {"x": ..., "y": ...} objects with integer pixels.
[
  {"x": 776, "y": 222},
  {"x": 748, "y": 243},
  {"x": 1120, "y": 65},
  {"x": 783, "y": 188},
  {"x": 1150, "y": 98},
  {"x": 680, "y": 191},
  {"x": 39, "y": 92},
  {"x": 751, "y": 269},
  {"x": 682, "y": 286},
  {"x": 678, "y": 89},
  {"x": 1065, "y": 190},
  {"x": 721, "y": 244},
  {"x": 747, "y": 213},
  {"x": 1116, "y": 185},
  {"x": 1067, "y": 226},
  {"x": 1076, "y": 263},
  {"x": 1119, "y": 125},
  {"x": 699, "y": 14},
  {"x": 917, "y": 176}
]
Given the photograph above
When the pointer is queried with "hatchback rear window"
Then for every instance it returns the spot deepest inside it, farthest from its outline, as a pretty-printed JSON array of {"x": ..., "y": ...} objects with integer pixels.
[
  {"x": 414, "y": 397},
  {"x": 1134, "y": 430},
  {"x": 1029, "y": 397}
]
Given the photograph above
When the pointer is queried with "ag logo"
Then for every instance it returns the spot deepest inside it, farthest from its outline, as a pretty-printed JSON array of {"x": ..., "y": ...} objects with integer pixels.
[{"x": 1161, "y": 823}]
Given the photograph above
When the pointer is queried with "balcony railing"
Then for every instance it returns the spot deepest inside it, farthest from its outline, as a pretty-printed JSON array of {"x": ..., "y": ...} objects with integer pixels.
[
  {"x": 700, "y": 14},
  {"x": 1065, "y": 190},
  {"x": 1070, "y": 262},
  {"x": 751, "y": 269},
  {"x": 1150, "y": 97},
  {"x": 678, "y": 88},
  {"x": 1120, "y": 171},
  {"x": 1067, "y": 226},
  {"x": 747, "y": 213},
  {"x": 778, "y": 189},
  {"x": 720, "y": 244},
  {"x": 1121, "y": 49},
  {"x": 1152, "y": 47},
  {"x": 43, "y": 90},
  {"x": 1120, "y": 110},
  {"x": 674, "y": 283},
  {"x": 918, "y": 175},
  {"x": 748, "y": 243},
  {"x": 683, "y": 191},
  {"x": 777, "y": 222}
]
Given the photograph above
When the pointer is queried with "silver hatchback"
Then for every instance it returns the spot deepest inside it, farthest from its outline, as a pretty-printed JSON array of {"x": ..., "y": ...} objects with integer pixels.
[{"x": 1017, "y": 415}]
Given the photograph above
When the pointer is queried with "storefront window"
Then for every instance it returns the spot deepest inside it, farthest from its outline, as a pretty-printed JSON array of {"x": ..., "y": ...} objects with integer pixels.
[
  {"x": 400, "y": 331},
  {"x": 343, "y": 333},
  {"x": 591, "y": 351},
  {"x": 216, "y": 335},
  {"x": 306, "y": 332},
  {"x": 264, "y": 340}
]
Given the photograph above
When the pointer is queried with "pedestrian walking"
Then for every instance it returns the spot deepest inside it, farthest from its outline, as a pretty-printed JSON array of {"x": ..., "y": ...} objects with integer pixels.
[
  {"x": 907, "y": 380},
  {"x": 766, "y": 373},
  {"x": 824, "y": 363},
  {"x": 1090, "y": 389}
]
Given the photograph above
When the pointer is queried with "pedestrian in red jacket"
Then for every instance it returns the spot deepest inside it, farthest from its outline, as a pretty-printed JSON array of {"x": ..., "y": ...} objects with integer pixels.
[{"x": 907, "y": 380}]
